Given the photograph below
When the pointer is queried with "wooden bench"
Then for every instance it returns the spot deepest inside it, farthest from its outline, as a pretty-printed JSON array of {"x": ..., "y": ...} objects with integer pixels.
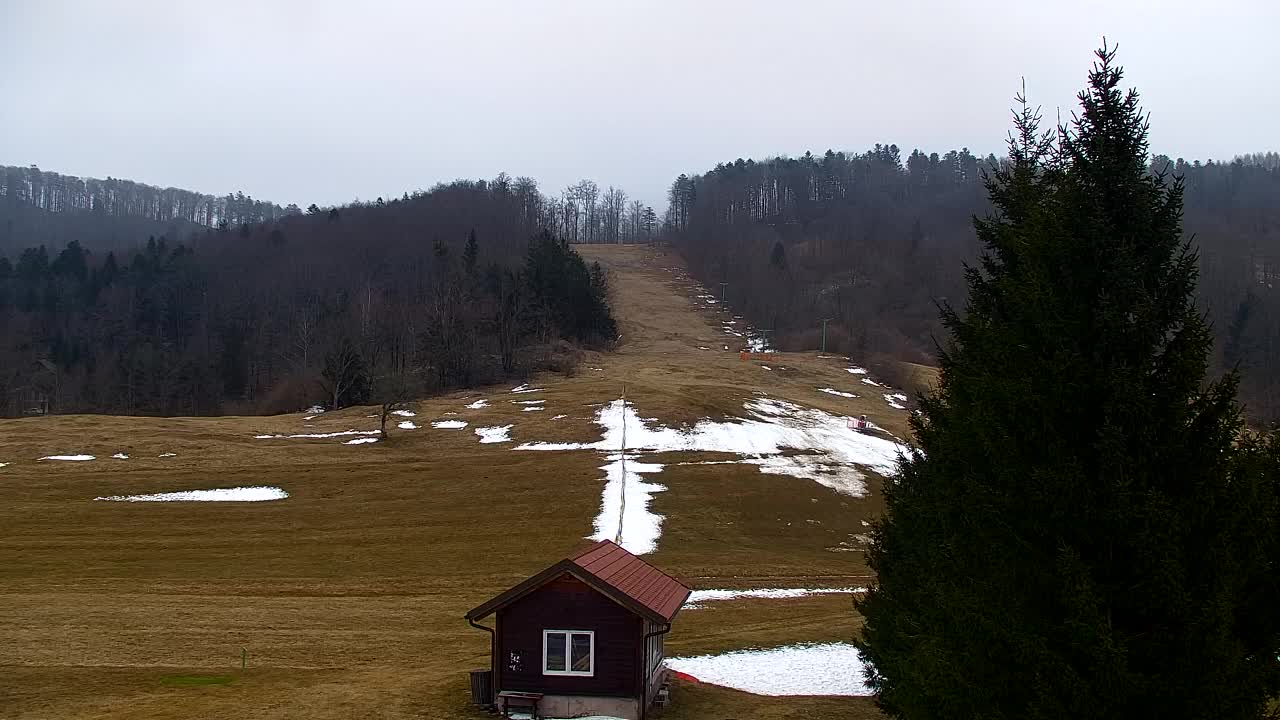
[{"x": 521, "y": 699}]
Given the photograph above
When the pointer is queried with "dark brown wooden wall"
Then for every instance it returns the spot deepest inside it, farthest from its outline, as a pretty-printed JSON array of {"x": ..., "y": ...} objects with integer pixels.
[{"x": 567, "y": 603}]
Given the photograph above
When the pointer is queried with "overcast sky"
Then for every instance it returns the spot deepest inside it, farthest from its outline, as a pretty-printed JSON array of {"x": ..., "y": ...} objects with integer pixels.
[{"x": 325, "y": 102}]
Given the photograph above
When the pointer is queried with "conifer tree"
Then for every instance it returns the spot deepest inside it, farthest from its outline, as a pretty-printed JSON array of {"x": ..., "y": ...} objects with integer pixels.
[
  {"x": 1085, "y": 528},
  {"x": 470, "y": 253}
]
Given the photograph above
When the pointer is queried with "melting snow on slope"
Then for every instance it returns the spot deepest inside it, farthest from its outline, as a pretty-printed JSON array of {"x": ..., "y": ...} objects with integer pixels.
[
  {"x": 70, "y": 458},
  {"x": 701, "y": 596},
  {"x": 478, "y": 404},
  {"x": 403, "y": 413},
  {"x": 763, "y": 440},
  {"x": 857, "y": 370},
  {"x": 449, "y": 424},
  {"x": 833, "y": 391},
  {"x": 501, "y": 433},
  {"x": 361, "y": 441},
  {"x": 318, "y": 435},
  {"x": 869, "y": 381},
  {"x": 825, "y": 669},
  {"x": 895, "y": 399},
  {"x": 776, "y": 426},
  {"x": 235, "y": 494},
  {"x": 525, "y": 389},
  {"x": 630, "y": 508},
  {"x": 408, "y": 425}
]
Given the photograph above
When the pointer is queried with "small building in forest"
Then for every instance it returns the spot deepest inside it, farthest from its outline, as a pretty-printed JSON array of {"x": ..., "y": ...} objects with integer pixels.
[{"x": 582, "y": 637}]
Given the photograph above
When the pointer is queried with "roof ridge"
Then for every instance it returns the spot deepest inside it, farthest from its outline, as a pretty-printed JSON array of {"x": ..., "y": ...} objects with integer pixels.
[{"x": 606, "y": 542}]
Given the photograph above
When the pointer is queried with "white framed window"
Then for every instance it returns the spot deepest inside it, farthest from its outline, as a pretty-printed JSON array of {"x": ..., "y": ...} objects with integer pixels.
[{"x": 569, "y": 652}]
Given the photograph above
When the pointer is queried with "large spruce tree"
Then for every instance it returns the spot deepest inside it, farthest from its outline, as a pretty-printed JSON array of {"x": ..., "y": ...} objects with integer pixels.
[{"x": 1086, "y": 530}]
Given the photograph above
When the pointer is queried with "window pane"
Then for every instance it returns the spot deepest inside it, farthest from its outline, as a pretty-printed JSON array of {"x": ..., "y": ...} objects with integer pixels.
[
  {"x": 555, "y": 652},
  {"x": 581, "y": 653}
]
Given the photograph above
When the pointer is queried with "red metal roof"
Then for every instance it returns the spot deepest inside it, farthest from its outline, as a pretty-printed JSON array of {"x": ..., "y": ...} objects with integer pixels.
[
  {"x": 633, "y": 577},
  {"x": 612, "y": 571}
]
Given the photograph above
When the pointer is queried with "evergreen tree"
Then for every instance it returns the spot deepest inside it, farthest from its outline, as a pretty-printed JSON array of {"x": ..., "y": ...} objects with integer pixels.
[
  {"x": 778, "y": 257},
  {"x": 470, "y": 253},
  {"x": 1085, "y": 529}
]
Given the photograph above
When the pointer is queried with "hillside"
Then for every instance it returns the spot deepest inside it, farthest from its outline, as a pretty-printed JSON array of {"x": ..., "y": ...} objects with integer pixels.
[
  {"x": 47, "y": 208},
  {"x": 348, "y": 595},
  {"x": 874, "y": 241},
  {"x": 448, "y": 288}
]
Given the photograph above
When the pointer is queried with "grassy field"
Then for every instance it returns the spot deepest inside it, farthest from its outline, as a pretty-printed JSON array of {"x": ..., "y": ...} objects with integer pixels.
[{"x": 347, "y": 598}]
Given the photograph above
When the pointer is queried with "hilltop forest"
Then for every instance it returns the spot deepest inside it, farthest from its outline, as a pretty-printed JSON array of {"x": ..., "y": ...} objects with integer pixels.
[
  {"x": 876, "y": 243},
  {"x": 250, "y": 308},
  {"x": 123, "y": 297}
]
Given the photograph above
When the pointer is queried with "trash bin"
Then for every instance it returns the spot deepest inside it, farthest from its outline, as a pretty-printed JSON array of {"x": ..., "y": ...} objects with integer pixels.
[{"x": 482, "y": 687}]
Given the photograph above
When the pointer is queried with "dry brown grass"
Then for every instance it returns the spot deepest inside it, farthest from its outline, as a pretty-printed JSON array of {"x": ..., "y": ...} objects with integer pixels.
[{"x": 349, "y": 596}]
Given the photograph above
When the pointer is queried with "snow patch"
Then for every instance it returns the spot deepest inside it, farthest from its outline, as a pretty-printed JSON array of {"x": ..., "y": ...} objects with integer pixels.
[
  {"x": 361, "y": 441},
  {"x": 408, "y": 425},
  {"x": 120, "y": 456},
  {"x": 525, "y": 389},
  {"x": 775, "y": 425},
  {"x": 167, "y": 455},
  {"x": 765, "y": 367},
  {"x": 625, "y": 505},
  {"x": 534, "y": 408},
  {"x": 769, "y": 440},
  {"x": 481, "y": 403},
  {"x": 319, "y": 436},
  {"x": 893, "y": 400},
  {"x": 501, "y": 433},
  {"x": 559, "y": 417},
  {"x": 857, "y": 370},
  {"x": 449, "y": 424},
  {"x": 403, "y": 413},
  {"x": 702, "y": 596},
  {"x": 806, "y": 669},
  {"x": 527, "y": 402},
  {"x": 833, "y": 391},
  {"x": 869, "y": 381},
  {"x": 259, "y": 493},
  {"x": 70, "y": 458}
]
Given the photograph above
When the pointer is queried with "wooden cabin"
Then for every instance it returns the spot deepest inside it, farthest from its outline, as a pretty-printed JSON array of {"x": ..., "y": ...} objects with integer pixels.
[{"x": 583, "y": 637}]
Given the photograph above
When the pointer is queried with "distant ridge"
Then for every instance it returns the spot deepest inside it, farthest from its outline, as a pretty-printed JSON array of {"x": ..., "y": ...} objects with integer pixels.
[{"x": 54, "y": 192}]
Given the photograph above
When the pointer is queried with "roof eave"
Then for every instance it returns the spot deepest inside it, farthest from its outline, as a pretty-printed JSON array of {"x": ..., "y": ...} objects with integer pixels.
[{"x": 534, "y": 582}]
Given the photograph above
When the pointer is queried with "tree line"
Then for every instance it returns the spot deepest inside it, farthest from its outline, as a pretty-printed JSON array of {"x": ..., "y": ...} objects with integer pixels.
[
  {"x": 82, "y": 201},
  {"x": 876, "y": 241},
  {"x": 459, "y": 285}
]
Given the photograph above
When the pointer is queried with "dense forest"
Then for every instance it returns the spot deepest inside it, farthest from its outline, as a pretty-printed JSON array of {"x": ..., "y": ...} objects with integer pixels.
[
  {"x": 876, "y": 243},
  {"x": 46, "y": 208},
  {"x": 269, "y": 311}
]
